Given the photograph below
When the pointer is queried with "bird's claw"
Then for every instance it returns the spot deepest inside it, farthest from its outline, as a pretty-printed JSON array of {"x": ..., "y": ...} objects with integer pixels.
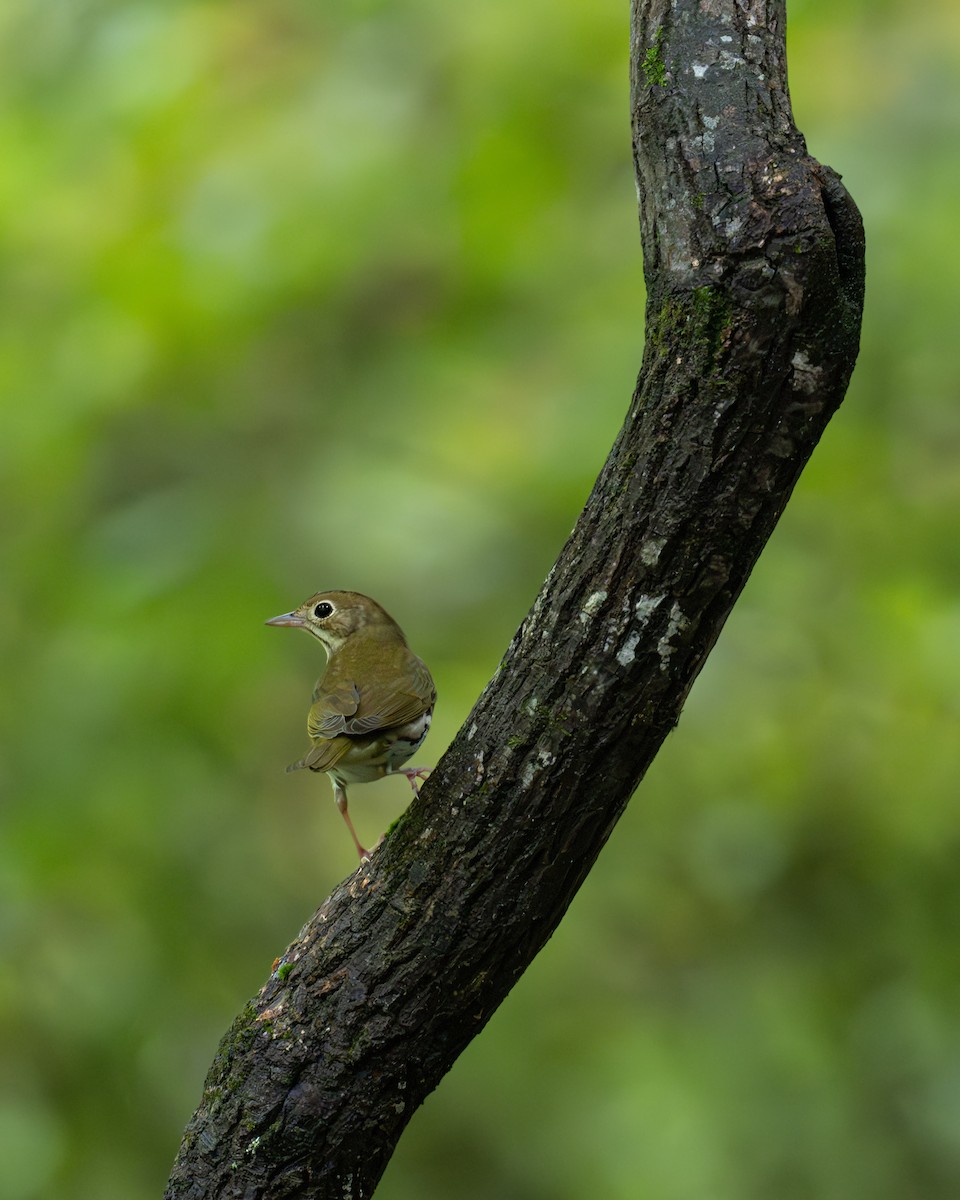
[{"x": 413, "y": 774}]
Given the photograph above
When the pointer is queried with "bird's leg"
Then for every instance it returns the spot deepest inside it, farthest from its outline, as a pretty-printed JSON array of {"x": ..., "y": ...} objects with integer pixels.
[
  {"x": 413, "y": 774},
  {"x": 340, "y": 796}
]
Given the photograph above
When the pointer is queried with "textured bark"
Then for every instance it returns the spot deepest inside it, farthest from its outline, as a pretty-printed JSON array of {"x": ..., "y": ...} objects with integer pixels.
[{"x": 753, "y": 258}]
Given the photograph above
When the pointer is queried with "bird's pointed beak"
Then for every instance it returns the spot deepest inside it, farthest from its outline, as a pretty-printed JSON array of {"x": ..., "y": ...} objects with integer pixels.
[{"x": 293, "y": 619}]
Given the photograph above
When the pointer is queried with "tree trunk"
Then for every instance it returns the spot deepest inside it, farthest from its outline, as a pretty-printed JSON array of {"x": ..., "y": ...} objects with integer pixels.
[{"x": 753, "y": 257}]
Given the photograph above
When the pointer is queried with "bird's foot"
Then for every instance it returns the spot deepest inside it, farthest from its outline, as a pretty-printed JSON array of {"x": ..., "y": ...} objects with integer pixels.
[
  {"x": 366, "y": 855},
  {"x": 413, "y": 774}
]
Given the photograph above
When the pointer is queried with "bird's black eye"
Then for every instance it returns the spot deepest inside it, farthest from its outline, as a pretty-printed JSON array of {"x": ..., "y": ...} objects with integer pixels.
[{"x": 323, "y": 610}]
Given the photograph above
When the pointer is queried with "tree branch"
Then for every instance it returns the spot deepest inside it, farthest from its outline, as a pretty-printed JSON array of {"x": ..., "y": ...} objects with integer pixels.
[{"x": 753, "y": 258}]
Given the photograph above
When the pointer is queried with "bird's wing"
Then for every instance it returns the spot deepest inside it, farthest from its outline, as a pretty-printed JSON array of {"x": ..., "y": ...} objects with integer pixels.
[
  {"x": 333, "y": 709},
  {"x": 356, "y": 709},
  {"x": 324, "y": 754},
  {"x": 344, "y": 711},
  {"x": 385, "y": 705}
]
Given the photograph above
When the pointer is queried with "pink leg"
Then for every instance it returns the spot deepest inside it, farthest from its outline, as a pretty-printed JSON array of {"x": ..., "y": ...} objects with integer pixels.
[
  {"x": 413, "y": 774},
  {"x": 340, "y": 796}
]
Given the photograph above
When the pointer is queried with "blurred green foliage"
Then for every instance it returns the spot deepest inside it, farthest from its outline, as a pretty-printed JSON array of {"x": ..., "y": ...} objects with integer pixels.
[{"x": 302, "y": 295}]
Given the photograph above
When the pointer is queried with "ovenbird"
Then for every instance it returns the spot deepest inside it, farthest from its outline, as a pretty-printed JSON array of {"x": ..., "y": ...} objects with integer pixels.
[{"x": 373, "y": 703}]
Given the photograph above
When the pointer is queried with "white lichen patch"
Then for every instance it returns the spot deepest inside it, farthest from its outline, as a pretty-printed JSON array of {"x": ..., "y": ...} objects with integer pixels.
[
  {"x": 627, "y": 652},
  {"x": 700, "y": 69},
  {"x": 532, "y": 769},
  {"x": 646, "y": 606},
  {"x": 676, "y": 624},
  {"x": 643, "y": 608},
  {"x": 591, "y": 606},
  {"x": 806, "y": 376},
  {"x": 650, "y": 550}
]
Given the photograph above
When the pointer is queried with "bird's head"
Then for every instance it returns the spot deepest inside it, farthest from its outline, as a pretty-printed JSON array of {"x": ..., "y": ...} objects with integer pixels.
[{"x": 334, "y": 617}]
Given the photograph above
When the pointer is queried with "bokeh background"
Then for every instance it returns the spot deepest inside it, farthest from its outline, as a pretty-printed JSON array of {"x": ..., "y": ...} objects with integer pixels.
[{"x": 301, "y": 295}]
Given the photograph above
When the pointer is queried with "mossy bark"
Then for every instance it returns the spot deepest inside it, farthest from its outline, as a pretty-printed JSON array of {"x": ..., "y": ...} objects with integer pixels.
[{"x": 753, "y": 256}]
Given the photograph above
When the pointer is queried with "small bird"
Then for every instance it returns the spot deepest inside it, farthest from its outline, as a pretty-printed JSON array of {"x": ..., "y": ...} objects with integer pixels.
[{"x": 372, "y": 706}]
